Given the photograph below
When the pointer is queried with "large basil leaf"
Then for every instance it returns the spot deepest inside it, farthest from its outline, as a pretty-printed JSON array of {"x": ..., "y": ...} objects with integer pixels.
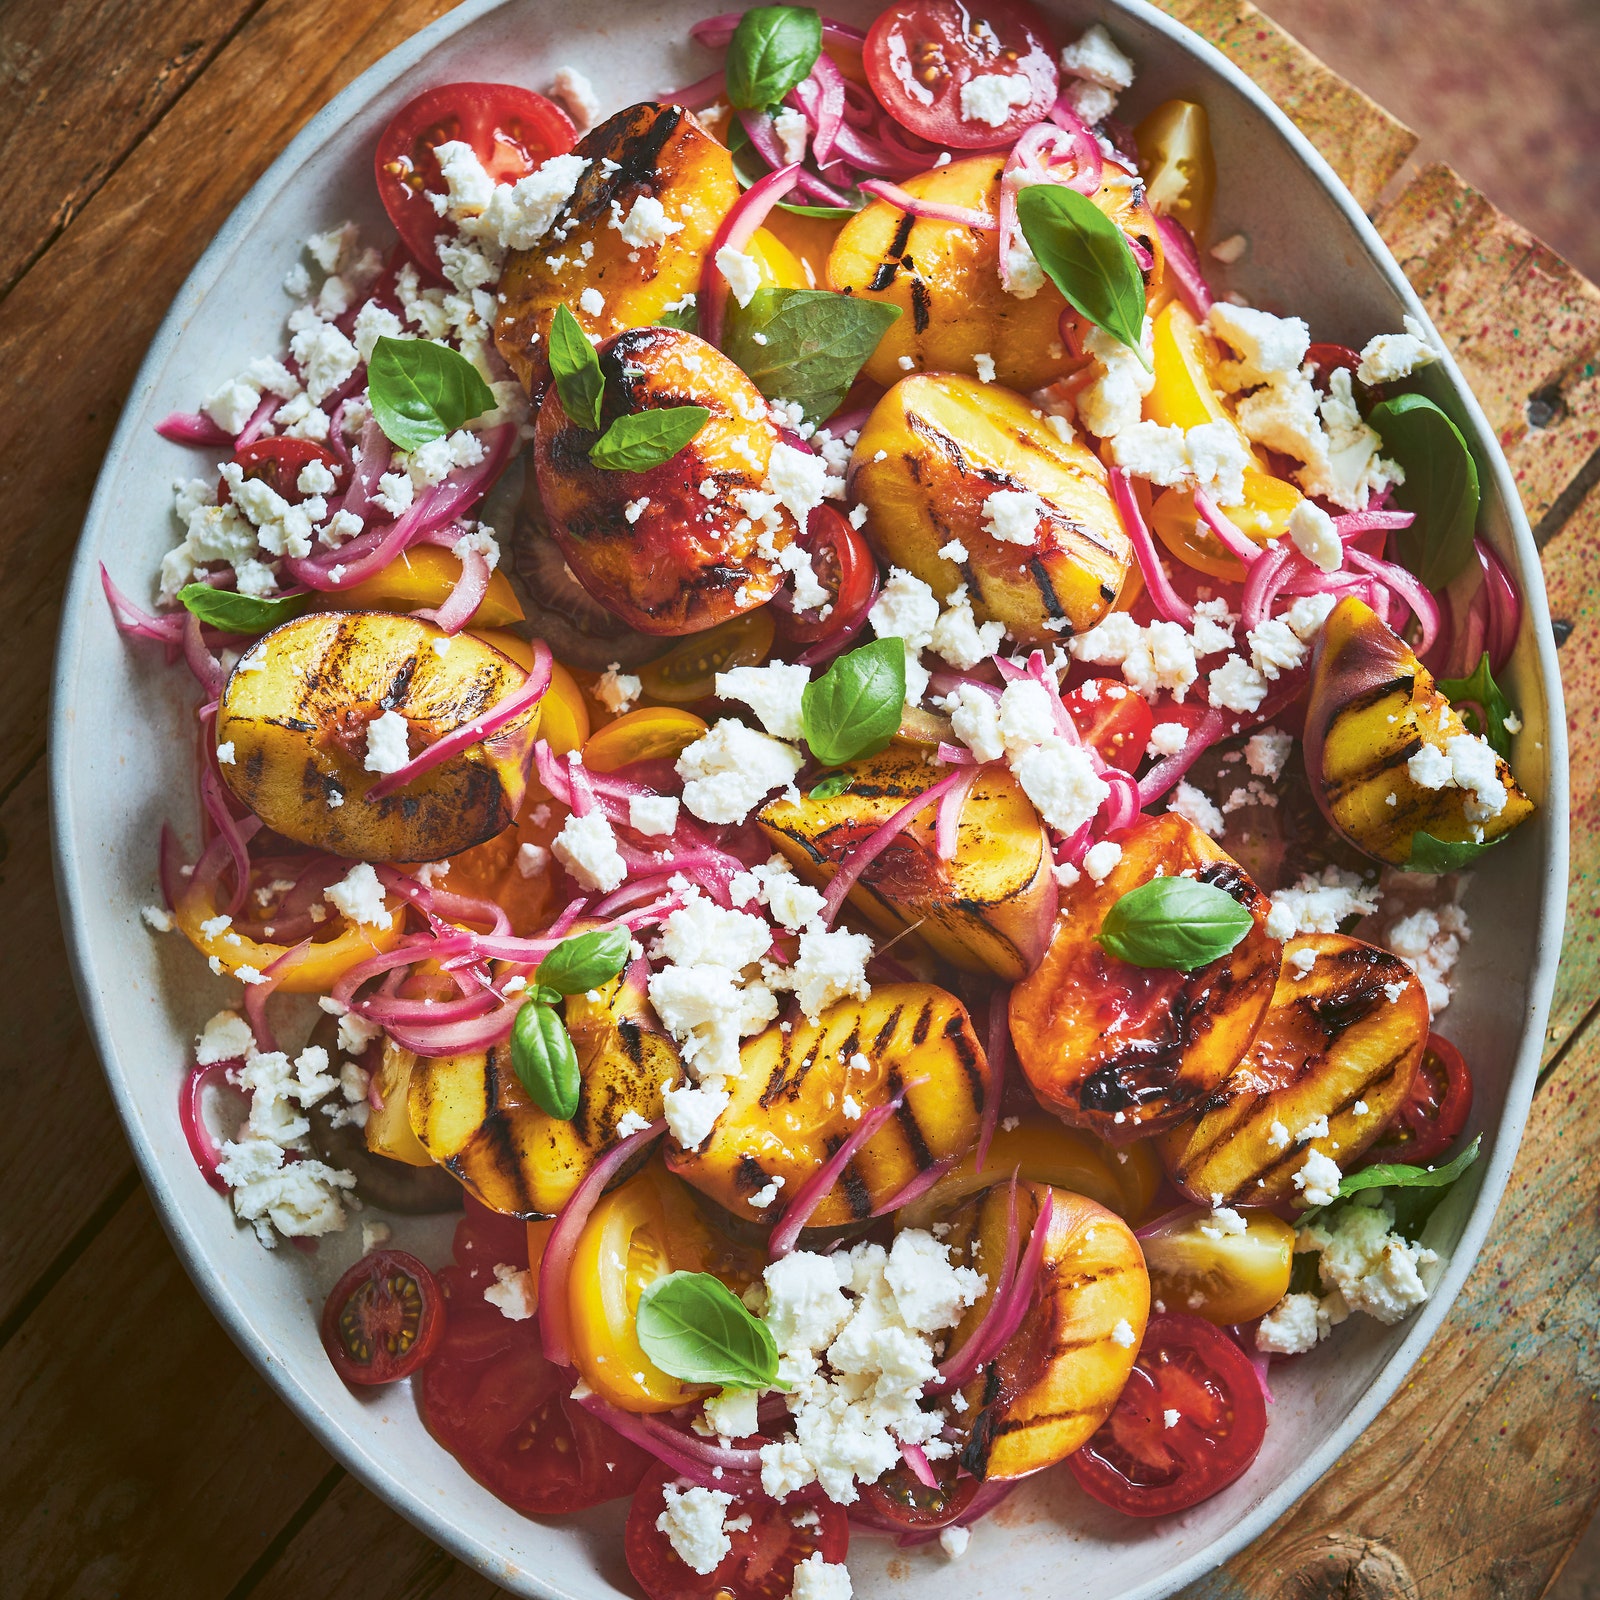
[
  {"x": 695, "y": 1328},
  {"x": 239, "y": 613},
  {"x": 576, "y": 370},
  {"x": 772, "y": 49},
  {"x": 854, "y": 708},
  {"x": 1177, "y": 922},
  {"x": 1085, "y": 255},
  {"x": 1445, "y": 855},
  {"x": 644, "y": 439},
  {"x": 421, "y": 391},
  {"x": 1441, "y": 487},
  {"x": 585, "y": 961},
  {"x": 544, "y": 1059}
]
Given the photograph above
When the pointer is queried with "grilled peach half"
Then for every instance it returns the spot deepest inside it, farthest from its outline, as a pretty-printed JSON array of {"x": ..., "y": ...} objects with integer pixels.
[
  {"x": 1125, "y": 1051},
  {"x": 933, "y": 451},
  {"x": 296, "y": 711},
  {"x": 648, "y": 150},
  {"x": 471, "y": 1114},
  {"x": 945, "y": 278},
  {"x": 802, "y": 1093},
  {"x": 1334, "y": 1046},
  {"x": 987, "y": 909},
  {"x": 1058, "y": 1377},
  {"x": 1372, "y": 708},
  {"x": 652, "y": 545}
]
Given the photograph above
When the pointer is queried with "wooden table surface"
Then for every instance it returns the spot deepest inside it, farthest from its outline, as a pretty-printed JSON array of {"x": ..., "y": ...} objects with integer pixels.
[{"x": 140, "y": 1456}]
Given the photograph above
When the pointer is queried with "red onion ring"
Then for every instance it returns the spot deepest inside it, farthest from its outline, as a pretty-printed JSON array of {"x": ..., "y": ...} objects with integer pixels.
[
  {"x": 1353, "y": 523},
  {"x": 1122, "y": 808},
  {"x": 412, "y": 949},
  {"x": 371, "y": 461},
  {"x": 918, "y": 1186},
  {"x": 206, "y": 668},
  {"x": 947, "y": 823},
  {"x": 479, "y": 730},
  {"x": 1415, "y": 595},
  {"x": 1263, "y": 584},
  {"x": 1165, "y": 774},
  {"x": 256, "y": 995},
  {"x": 465, "y": 597},
  {"x": 1183, "y": 263},
  {"x": 555, "y": 1269},
  {"x": 670, "y": 1447},
  {"x": 456, "y": 1038},
  {"x": 699, "y": 94},
  {"x": 137, "y": 623},
  {"x": 927, "y": 210},
  {"x": 830, "y": 107},
  {"x": 1505, "y": 607},
  {"x": 191, "y": 1116},
  {"x": 1163, "y": 596},
  {"x": 1227, "y": 533},
  {"x": 192, "y": 427},
  {"x": 917, "y": 1465},
  {"x": 873, "y": 846},
  {"x": 259, "y": 419},
  {"x": 748, "y": 213},
  {"x": 230, "y": 831}
]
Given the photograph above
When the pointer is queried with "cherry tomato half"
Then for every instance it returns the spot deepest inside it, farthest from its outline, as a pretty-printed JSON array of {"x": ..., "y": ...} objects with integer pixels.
[
  {"x": 919, "y": 56},
  {"x": 503, "y": 1411},
  {"x": 844, "y": 566},
  {"x": 1115, "y": 720},
  {"x": 761, "y": 1564},
  {"x": 688, "y": 671},
  {"x": 512, "y": 130},
  {"x": 278, "y": 463},
  {"x": 652, "y": 733},
  {"x": 384, "y": 1318},
  {"x": 1431, "y": 1117},
  {"x": 1135, "y": 1463},
  {"x": 901, "y": 1499}
]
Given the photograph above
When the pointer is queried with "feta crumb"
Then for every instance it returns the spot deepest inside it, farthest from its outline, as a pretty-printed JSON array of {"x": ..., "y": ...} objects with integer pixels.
[
  {"x": 816, "y": 1579},
  {"x": 1392, "y": 356},
  {"x": 226, "y": 1037},
  {"x": 587, "y": 848},
  {"x": 1312, "y": 531},
  {"x": 1094, "y": 56},
  {"x": 954, "y": 1541},
  {"x": 157, "y": 919},
  {"x": 1236, "y": 686},
  {"x": 729, "y": 770},
  {"x": 387, "y": 743},
  {"x": 1267, "y": 753},
  {"x": 772, "y": 692},
  {"x": 514, "y": 1292},
  {"x": 617, "y": 690},
  {"x": 1100, "y": 860},
  {"x": 955, "y": 550},
  {"x": 653, "y": 815},
  {"x": 991, "y": 97},
  {"x": 1231, "y": 249},
  {"x": 533, "y": 860},
  {"x": 692, "y": 1111},
  {"x": 1293, "y": 1326},
  {"x": 1167, "y": 739},
  {"x": 743, "y": 273},
  {"x": 1124, "y": 1335},
  {"x": 1318, "y": 1177},
  {"x": 576, "y": 96},
  {"x": 1012, "y": 516},
  {"x": 983, "y": 365},
  {"x": 1195, "y": 808},
  {"x": 1373, "y": 1269},
  {"x": 693, "y": 1522}
]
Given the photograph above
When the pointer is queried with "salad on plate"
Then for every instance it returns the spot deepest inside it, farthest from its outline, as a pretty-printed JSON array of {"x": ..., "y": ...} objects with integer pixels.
[{"x": 873, "y": 776}]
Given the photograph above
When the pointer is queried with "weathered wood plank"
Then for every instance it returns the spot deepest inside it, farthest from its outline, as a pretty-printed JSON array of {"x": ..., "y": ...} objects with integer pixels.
[
  {"x": 140, "y": 1454},
  {"x": 61, "y": 1147},
  {"x": 1360, "y": 140},
  {"x": 1523, "y": 325},
  {"x": 1481, "y": 1472},
  {"x": 56, "y": 414},
  {"x": 83, "y": 83}
]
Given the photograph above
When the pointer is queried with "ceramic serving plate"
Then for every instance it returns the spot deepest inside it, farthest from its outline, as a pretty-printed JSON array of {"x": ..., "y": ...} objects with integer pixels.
[{"x": 122, "y": 727}]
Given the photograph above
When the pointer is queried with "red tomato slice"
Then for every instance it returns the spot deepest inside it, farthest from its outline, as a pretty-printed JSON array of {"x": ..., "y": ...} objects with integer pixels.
[
  {"x": 493, "y": 1401},
  {"x": 1431, "y": 1117},
  {"x": 902, "y": 1500},
  {"x": 844, "y": 566},
  {"x": 1115, "y": 720},
  {"x": 1136, "y": 1463},
  {"x": 512, "y": 130},
  {"x": 485, "y": 1239},
  {"x": 384, "y": 1318},
  {"x": 920, "y": 55},
  {"x": 761, "y": 1564},
  {"x": 278, "y": 463}
]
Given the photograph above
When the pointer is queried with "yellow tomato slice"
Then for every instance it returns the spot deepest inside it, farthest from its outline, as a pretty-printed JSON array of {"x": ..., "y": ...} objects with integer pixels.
[
  {"x": 808, "y": 241},
  {"x": 780, "y": 267},
  {"x": 423, "y": 577},
  {"x": 1183, "y": 395},
  {"x": 652, "y": 733},
  {"x": 637, "y": 1233},
  {"x": 688, "y": 671},
  {"x": 563, "y": 713},
  {"x": 1268, "y": 504},
  {"x": 1197, "y": 1267},
  {"x": 1042, "y": 1150},
  {"x": 1180, "y": 171}
]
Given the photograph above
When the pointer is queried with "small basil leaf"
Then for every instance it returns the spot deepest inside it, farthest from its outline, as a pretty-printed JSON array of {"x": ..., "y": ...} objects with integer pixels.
[
  {"x": 1445, "y": 855},
  {"x": 421, "y": 391},
  {"x": 854, "y": 708},
  {"x": 544, "y": 1060},
  {"x": 1398, "y": 1175},
  {"x": 239, "y": 613},
  {"x": 1084, "y": 253},
  {"x": 836, "y": 783},
  {"x": 695, "y": 1328},
  {"x": 1441, "y": 487},
  {"x": 645, "y": 439},
  {"x": 1179, "y": 923},
  {"x": 1475, "y": 694},
  {"x": 586, "y": 960},
  {"x": 811, "y": 346},
  {"x": 772, "y": 49},
  {"x": 576, "y": 370},
  {"x": 545, "y": 995}
]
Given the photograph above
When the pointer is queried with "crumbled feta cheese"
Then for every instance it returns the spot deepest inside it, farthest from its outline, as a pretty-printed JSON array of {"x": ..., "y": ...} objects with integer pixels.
[
  {"x": 532, "y": 860},
  {"x": 587, "y": 848},
  {"x": 1303, "y": 961},
  {"x": 792, "y": 131},
  {"x": 1059, "y": 778},
  {"x": 954, "y": 551},
  {"x": 1100, "y": 860},
  {"x": 1231, "y": 249},
  {"x": 1372, "y": 1268},
  {"x": 693, "y": 1522},
  {"x": 1236, "y": 686},
  {"x": 766, "y": 1196},
  {"x": 1267, "y": 752},
  {"x": 226, "y": 1037},
  {"x": 1266, "y": 346},
  {"x": 358, "y": 896},
  {"x": 743, "y": 273},
  {"x": 520, "y": 214},
  {"x": 1195, "y": 808},
  {"x": 1313, "y": 534},
  {"x": 1124, "y": 1335},
  {"x": 1155, "y": 453},
  {"x": 976, "y": 722},
  {"x": 983, "y": 365},
  {"x": 1094, "y": 56},
  {"x": 1012, "y": 515},
  {"x": 387, "y": 743},
  {"x": 157, "y": 919},
  {"x": 617, "y": 690},
  {"x": 1277, "y": 1136},
  {"x": 959, "y": 639},
  {"x": 729, "y": 770},
  {"x": 576, "y": 96},
  {"x": 1293, "y": 1326},
  {"x": 1430, "y": 768},
  {"x": 816, "y": 1579},
  {"x": 732, "y": 1413},
  {"x": 832, "y": 965},
  {"x": 1113, "y": 399},
  {"x": 1274, "y": 648},
  {"x": 954, "y": 1540},
  {"x": 1167, "y": 739},
  {"x": 692, "y": 1111},
  {"x": 991, "y": 97},
  {"x": 1318, "y": 1177},
  {"x": 1429, "y": 942},
  {"x": 1319, "y": 904},
  {"x": 1392, "y": 356},
  {"x": 773, "y": 693},
  {"x": 514, "y": 1292},
  {"x": 1092, "y": 102},
  {"x": 652, "y": 814}
]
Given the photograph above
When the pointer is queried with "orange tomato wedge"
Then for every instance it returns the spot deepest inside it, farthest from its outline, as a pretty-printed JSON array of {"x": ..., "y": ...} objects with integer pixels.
[
  {"x": 422, "y": 578},
  {"x": 652, "y": 733}
]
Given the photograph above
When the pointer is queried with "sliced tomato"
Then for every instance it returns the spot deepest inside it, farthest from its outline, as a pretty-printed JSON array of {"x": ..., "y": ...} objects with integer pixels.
[
  {"x": 688, "y": 671},
  {"x": 919, "y": 56},
  {"x": 504, "y": 1412},
  {"x": 761, "y": 1564},
  {"x": 843, "y": 565},
  {"x": 384, "y": 1318},
  {"x": 1431, "y": 1117},
  {"x": 1115, "y": 720},
  {"x": 652, "y": 733},
  {"x": 278, "y": 463},
  {"x": 512, "y": 131},
  {"x": 900, "y": 1499},
  {"x": 486, "y": 1239},
  {"x": 1140, "y": 1465}
]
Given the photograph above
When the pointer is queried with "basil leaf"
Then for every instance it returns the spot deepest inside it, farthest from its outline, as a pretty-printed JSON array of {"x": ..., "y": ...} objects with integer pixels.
[
  {"x": 1441, "y": 486},
  {"x": 854, "y": 708},
  {"x": 1174, "y": 922},
  {"x": 695, "y": 1328},
  {"x": 836, "y": 783},
  {"x": 685, "y": 317},
  {"x": 544, "y": 1060},
  {"x": 576, "y": 370},
  {"x": 1084, "y": 254},
  {"x": 239, "y": 613},
  {"x": 772, "y": 49},
  {"x": 1397, "y": 1175},
  {"x": 1480, "y": 691},
  {"x": 812, "y": 344},
  {"x": 586, "y": 960},
  {"x": 645, "y": 439},
  {"x": 545, "y": 995},
  {"x": 1445, "y": 855},
  {"x": 421, "y": 391}
]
